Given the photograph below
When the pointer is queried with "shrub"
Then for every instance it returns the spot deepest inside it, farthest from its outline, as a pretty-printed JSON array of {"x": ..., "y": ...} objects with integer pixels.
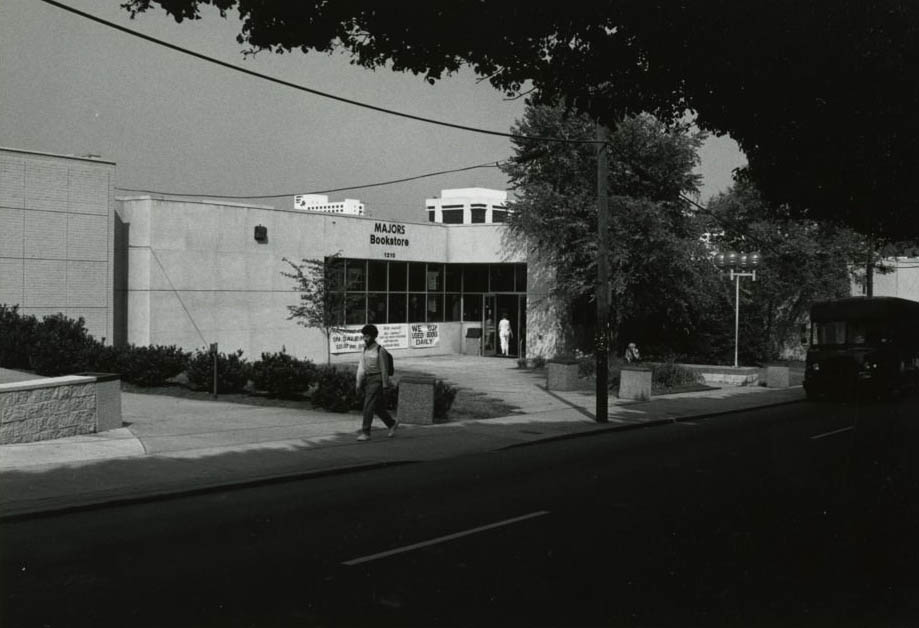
[
  {"x": 153, "y": 365},
  {"x": 282, "y": 375},
  {"x": 444, "y": 395},
  {"x": 60, "y": 346},
  {"x": 16, "y": 337},
  {"x": 539, "y": 362},
  {"x": 103, "y": 358},
  {"x": 232, "y": 371},
  {"x": 521, "y": 363},
  {"x": 335, "y": 390},
  {"x": 141, "y": 366},
  {"x": 670, "y": 374}
]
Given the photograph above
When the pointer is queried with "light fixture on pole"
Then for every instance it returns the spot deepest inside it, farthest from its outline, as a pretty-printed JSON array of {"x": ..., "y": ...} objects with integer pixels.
[{"x": 745, "y": 262}]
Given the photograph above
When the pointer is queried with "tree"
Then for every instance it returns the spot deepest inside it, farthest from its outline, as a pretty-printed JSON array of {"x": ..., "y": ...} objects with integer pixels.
[
  {"x": 823, "y": 97},
  {"x": 802, "y": 262},
  {"x": 655, "y": 254},
  {"x": 315, "y": 281}
]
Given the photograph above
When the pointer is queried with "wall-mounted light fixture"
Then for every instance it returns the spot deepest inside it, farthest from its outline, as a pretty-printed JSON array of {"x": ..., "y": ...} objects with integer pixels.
[{"x": 261, "y": 234}]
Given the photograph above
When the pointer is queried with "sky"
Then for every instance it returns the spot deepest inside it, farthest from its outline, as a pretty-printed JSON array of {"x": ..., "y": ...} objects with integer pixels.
[{"x": 176, "y": 124}]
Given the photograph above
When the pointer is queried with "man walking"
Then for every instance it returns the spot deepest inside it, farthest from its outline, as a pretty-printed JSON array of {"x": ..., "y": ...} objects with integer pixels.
[
  {"x": 373, "y": 377},
  {"x": 504, "y": 334}
]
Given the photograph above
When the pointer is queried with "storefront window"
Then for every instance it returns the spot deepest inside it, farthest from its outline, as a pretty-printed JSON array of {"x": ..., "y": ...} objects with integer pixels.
[
  {"x": 376, "y": 308},
  {"x": 375, "y": 291},
  {"x": 397, "y": 308},
  {"x": 398, "y": 274},
  {"x": 416, "y": 308},
  {"x": 337, "y": 308},
  {"x": 355, "y": 309},
  {"x": 335, "y": 271},
  {"x": 478, "y": 214},
  {"x": 452, "y": 307},
  {"x": 520, "y": 285},
  {"x": 416, "y": 276},
  {"x": 498, "y": 216},
  {"x": 435, "y": 281},
  {"x": 475, "y": 278},
  {"x": 472, "y": 308},
  {"x": 454, "y": 278},
  {"x": 435, "y": 308},
  {"x": 502, "y": 278},
  {"x": 356, "y": 273},
  {"x": 376, "y": 276}
]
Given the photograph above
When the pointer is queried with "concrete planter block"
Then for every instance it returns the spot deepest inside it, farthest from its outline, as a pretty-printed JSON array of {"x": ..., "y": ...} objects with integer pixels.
[
  {"x": 108, "y": 400},
  {"x": 635, "y": 383},
  {"x": 416, "y": 400},
  {"x": 472, "y": 346},
  {"x": 777, "y": 377},
  {"x": 562, "y": 375},
  {"x": 57, "y": 407}
]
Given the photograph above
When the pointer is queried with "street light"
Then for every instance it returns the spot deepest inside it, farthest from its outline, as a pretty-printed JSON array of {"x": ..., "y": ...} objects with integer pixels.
[{"x": 732, "y": 260}]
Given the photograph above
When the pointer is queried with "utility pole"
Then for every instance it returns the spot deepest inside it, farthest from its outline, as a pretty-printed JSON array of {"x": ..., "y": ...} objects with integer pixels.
[
  {"x": 601, "y": 344},
  {"x": 869, "y": 269}
]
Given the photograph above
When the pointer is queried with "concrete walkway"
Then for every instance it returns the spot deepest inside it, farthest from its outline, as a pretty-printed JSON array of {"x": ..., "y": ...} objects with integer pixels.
[{"x": 171, "y": 446}]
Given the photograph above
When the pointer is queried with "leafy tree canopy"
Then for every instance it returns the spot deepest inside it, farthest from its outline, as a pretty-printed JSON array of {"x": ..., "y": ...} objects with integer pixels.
[
  {"x": 822, "y": 96},
  {"x": 803, "y": 261},
  {"x": 658, "y": 262}
]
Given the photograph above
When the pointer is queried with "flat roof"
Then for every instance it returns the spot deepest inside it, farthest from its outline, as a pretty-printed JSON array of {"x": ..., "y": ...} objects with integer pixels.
[{"x": 94, "y": 160}]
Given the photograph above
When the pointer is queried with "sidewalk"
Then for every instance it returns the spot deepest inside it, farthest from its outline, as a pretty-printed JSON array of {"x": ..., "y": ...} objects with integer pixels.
[{"x": 170, "y": 446}]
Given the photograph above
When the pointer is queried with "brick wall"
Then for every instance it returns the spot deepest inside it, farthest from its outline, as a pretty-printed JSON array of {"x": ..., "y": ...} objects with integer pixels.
[{"x": 57, "y": 237}]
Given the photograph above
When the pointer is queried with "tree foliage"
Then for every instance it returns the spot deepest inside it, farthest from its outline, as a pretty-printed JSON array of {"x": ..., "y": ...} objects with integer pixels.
[
  {"x": 656, "y": 259},
  {"x": 315, "y": 283},
  {"x": 802, "y": 262},
  {"x": 823, "y": 97}
]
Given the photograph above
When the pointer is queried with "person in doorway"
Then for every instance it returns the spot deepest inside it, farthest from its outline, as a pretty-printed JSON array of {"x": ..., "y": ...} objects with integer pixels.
[
  {"x": 372, "y": 378},
  {"x": 631, "y": 353},
  {"x": 504, "y": 333}
]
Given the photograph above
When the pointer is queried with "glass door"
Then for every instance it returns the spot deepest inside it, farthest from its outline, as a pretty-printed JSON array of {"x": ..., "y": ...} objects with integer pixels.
[{"x": 508, "y": 310}]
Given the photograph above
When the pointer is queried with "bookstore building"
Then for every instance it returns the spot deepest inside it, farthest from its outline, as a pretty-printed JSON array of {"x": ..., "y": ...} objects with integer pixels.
[{"x": 155, "y": 271}]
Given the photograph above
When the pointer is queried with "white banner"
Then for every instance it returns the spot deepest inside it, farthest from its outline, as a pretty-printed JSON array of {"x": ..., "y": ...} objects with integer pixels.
[
  {"x": 346, "y": 341},
  {"x": 393, "y": 336},
  {"x": 425, "y": 335},
  {"x": 350, "y": 339}
]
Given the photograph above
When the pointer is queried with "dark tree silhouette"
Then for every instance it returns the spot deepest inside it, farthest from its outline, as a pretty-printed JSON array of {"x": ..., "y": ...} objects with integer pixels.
[{"x": 822, "y": 96}]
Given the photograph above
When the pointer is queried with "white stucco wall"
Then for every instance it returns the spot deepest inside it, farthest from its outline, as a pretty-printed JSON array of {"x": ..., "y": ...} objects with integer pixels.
[
  {"x": 903, "y": 282},
  {"x": 196, "y": 274}
]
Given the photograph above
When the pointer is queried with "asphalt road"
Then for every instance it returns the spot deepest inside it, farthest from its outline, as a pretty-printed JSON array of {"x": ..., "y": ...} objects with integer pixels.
[{"x": 802, "y": 515}]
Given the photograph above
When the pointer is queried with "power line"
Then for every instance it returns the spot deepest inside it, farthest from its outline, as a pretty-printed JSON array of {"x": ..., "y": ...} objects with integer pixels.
[
  {"x": 310, "y": 90},
  {"x": 496, "y": 164}
]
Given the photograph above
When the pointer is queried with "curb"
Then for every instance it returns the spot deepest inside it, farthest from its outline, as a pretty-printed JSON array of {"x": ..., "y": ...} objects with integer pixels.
[
  {"x": 653, "y": 423},
  {"x": 163, "y": 494}
]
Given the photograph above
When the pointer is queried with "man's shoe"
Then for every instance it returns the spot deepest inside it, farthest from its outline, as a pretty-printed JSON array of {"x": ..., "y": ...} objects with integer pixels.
[
  {"x": 363, "y": 437},
  {"x": 392, "y": 430}
]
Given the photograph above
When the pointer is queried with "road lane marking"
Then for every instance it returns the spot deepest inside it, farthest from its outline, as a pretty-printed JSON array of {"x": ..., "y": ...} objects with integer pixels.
[
  {"x": 825, "y": 434},
  {"x": 441, "y": 539}
]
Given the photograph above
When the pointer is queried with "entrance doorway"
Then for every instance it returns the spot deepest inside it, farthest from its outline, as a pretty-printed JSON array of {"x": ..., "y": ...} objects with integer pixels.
[{"x": 511, "y": 306}]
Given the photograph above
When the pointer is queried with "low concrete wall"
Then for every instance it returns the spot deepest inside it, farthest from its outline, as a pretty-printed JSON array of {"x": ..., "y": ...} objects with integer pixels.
[
  {"x": 56, "y": 407},
  {"x": 726, "y": 375}
]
